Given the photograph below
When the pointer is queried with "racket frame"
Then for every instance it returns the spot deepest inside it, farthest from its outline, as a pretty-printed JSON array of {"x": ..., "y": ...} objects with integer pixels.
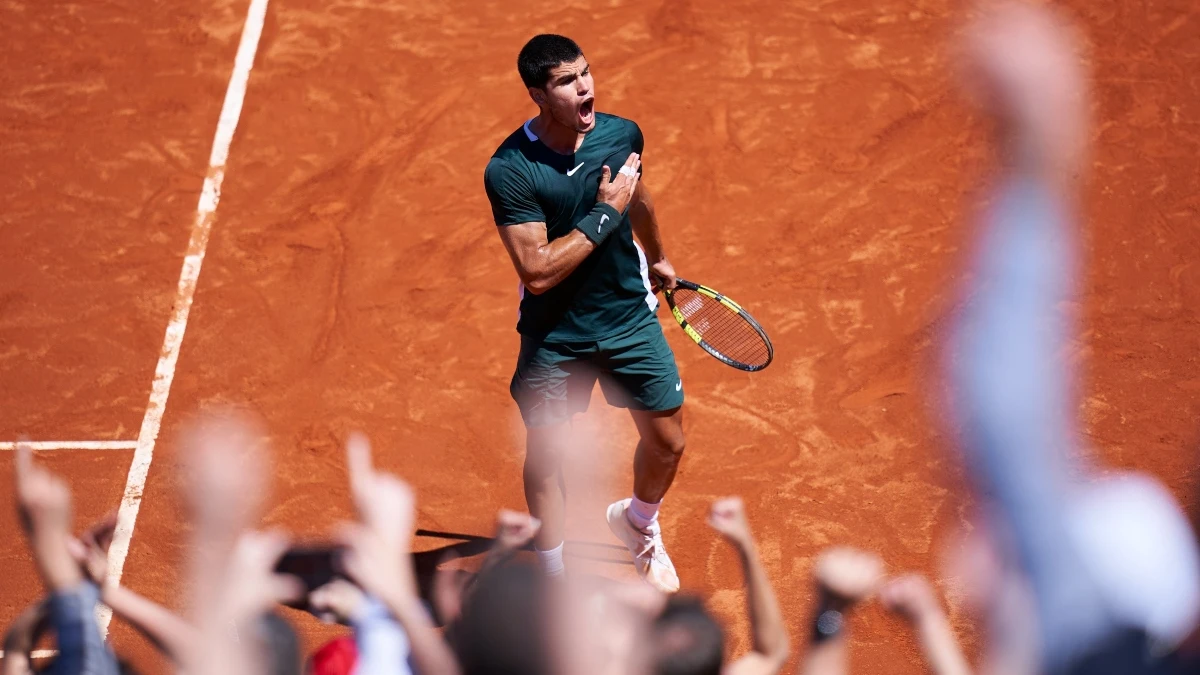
[{"x": 699, "y": 340}]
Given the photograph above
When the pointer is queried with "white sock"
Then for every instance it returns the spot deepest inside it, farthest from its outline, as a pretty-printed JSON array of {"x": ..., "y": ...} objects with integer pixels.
[
  {"x": 642, "y": 514},
  {"x": 551, "y": 560}
]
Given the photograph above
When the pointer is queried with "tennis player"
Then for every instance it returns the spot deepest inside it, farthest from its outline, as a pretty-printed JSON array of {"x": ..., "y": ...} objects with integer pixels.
[{"x": 566, "y": 199}]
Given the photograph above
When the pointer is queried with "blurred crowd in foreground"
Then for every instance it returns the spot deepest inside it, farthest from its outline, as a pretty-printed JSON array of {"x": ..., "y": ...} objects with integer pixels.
[{"x": 1066, "y": 572}]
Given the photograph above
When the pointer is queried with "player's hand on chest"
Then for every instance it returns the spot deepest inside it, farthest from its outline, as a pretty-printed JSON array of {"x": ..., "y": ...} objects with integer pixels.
[{"x": 572, "y": 183}]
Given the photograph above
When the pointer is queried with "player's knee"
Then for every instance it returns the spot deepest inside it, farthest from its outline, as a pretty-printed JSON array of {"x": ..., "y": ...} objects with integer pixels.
[
  {"x": 671, "y": 447},
  {"x": 540, "y": 470},
  {"x": 542, "y": 459}
]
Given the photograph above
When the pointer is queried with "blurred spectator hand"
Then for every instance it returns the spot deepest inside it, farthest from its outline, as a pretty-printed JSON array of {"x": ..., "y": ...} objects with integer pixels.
[
  {"x": 43, "y": 499},
  {"x": 728, "y": 517},
  {"x": 44, "y": 507},
  {"x": 90, "y": 550},
  {"x": 377, "y": 555},
  {"x": 910, "y": 596},
  {"x": 226, "y": 476},
  {"x": 338, "y": 601},
  {"x": 515, "y": 530},
  {"x": 253, "y": 588},
  {"x": 378, "y": 547},
  {"x": 385, "y": 503},
  {"x": 847, "y": 576},
  {"x": 1023, "y": 68},
  {"x": 1021, "y": 53}
]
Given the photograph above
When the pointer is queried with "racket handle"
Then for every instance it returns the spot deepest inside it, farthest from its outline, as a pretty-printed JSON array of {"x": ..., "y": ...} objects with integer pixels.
[{"x": 656, "y": 283}]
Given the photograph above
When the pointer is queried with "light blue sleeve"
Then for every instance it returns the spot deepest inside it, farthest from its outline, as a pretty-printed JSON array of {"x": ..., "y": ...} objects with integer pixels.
[
  {"x": 1012, "y": 400},
  {"x": 383, "y": 647}
]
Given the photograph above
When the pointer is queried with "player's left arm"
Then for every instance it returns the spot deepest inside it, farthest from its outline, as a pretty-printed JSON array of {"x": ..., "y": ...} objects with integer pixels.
[{"x": 645, "y": 226}]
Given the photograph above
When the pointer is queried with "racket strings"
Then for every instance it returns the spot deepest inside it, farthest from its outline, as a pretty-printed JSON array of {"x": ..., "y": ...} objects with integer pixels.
[{"x": 722, "y": 328}]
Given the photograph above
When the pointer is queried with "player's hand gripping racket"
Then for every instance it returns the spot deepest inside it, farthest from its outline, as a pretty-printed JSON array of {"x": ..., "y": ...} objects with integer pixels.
[{"x": 720, "y": 326}]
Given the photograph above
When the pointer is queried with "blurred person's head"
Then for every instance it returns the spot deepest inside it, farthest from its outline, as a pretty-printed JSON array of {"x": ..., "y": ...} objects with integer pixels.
[
  {"x": 278, "y": 645},
  {"x": 1139, "y": 549},
  {"x": 687, "y": 639},
  {"x": 502, "y": 627},
  {"x": 599, "y": 626}
]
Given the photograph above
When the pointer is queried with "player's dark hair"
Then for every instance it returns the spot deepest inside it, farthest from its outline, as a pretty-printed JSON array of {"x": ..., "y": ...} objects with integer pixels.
[
  {"x": 542, "y": 54},
  {"x": 688, "y": 640}
]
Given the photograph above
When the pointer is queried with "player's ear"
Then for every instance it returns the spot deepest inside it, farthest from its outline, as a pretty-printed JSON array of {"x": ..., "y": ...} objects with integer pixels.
[{"x": 538, "y": 96}]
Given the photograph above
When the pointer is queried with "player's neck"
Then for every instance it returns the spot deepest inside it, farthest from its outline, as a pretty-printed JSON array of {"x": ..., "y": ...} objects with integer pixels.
[{"x": 558, "y": 137}]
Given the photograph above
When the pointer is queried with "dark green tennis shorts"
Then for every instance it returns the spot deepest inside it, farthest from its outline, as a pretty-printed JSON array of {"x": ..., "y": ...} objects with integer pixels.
[{"x": 636, "y": 370}]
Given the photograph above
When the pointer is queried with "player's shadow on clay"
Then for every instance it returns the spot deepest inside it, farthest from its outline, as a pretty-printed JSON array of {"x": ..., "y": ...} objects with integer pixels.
[{"x": 471, "y": 545}]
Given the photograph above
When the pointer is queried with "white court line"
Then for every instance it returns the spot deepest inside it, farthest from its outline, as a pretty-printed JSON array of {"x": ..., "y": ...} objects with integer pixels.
[
  {"x": 70, "y": 445},
  {"x": 164, "y": 373}
]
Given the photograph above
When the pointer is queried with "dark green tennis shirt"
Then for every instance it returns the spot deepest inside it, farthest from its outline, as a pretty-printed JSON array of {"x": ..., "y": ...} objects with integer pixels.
[{"x": 527, "y": 182}]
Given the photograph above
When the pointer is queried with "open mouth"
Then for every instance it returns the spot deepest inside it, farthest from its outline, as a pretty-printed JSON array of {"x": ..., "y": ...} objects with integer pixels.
[{"x": 587, "y": 112}]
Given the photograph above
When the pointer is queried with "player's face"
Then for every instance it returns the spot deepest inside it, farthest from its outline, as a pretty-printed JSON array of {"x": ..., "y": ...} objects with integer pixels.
[{"x": 570, "y": 96}]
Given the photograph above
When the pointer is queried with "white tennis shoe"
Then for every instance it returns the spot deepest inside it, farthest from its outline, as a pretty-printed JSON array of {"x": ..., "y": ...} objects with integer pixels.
[{"x": 649, "y": 555}]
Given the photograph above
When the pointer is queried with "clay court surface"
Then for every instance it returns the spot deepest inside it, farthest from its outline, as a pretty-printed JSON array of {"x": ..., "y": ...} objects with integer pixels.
[{"x": 813, "y": 160}]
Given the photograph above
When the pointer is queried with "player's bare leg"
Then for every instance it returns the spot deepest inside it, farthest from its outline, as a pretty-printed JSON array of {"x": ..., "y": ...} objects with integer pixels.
[
  {"x": 659, "y": 450},
  {"x": 635, "y": 520},
  {"x": 545, "y": 491}
]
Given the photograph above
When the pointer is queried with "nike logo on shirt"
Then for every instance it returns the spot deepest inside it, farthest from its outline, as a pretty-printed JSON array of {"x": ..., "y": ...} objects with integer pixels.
[{"x": 572, "y": 171}]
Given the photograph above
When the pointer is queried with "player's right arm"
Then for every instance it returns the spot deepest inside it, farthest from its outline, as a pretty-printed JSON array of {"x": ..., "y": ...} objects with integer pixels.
[{"x": 540, "y": 263}]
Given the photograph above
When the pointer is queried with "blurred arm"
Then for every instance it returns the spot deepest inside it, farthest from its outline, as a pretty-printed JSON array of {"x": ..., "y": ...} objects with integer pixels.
[
  {"x": 938, "y": 642},
  {"x": 826, "y": 655},
  {"x": 20, "y": 638},
  {"x": 767, "y": 626},
  {"x": 844, "y": 578},
  {"x": 1015, "y": 403},
  {"x": 1013, "y": 390},
  {"x": 940, "y": 645},
  {"x": 169, "y": 633},
  {"x": 913, "y": 598}
]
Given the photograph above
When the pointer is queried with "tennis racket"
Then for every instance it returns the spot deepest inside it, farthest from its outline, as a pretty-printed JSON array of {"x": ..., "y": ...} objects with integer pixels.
[{"x": 720, "y": 326}]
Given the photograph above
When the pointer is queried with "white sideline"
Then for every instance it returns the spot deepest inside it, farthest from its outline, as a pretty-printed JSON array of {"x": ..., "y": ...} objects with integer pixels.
[
  {"x": 70, "y": 445},
  {"x": 164, "y": 373}
]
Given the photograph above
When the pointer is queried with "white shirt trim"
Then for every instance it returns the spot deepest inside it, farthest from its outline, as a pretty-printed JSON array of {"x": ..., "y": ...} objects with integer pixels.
[{"x": 644, "y": 269}]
